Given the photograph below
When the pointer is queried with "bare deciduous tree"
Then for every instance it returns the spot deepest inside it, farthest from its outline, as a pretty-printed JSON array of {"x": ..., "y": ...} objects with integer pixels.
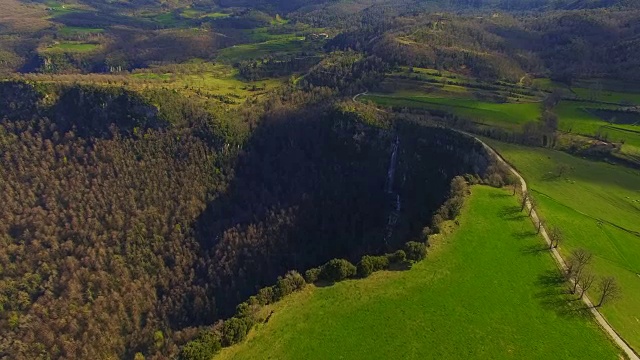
[
  {"x": 540, "y": 225},
  {"x": 555, "y": 236},
  {"x": 586, "y": 281},
  {"x": 609, "y": 290},
  {"x": 532, "y": 205},
  {"x": 524, "y": 200},
  {"x": 578, "y": 262}
]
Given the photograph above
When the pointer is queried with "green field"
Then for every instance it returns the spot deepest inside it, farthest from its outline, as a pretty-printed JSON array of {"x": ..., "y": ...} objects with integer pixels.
[
  {"x": 578, "y": 117},
  {"x": 468, "y": 98},
  {"x": 486, "y": 291},
  {"x": 283, "y": 45},
  {"x": 597, "y": 206},
  {"x": 73, "y": 30},
  {"x": 198, "y": 14},
  {"x": 508, "y": 115},
  {"x": 202, "y": 79},
  {"x": 607, "y": 90},
  {"x": 72, "y": 47}
]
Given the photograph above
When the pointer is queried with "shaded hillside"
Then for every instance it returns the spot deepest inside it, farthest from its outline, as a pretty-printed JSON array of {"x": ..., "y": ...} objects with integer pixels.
[{"x": 114, "y": 243}]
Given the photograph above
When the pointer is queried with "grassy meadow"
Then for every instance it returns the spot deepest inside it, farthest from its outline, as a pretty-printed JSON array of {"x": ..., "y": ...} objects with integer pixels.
[
  {"x": 597, "y": 207},
  {"x": 485, "y": 291},
  {"x": 507, "y": 115},
  {"x": 71, "y": 47},
  {"x": 74, "y": 30},
  {"x": 211, "y": 85},
  {"x": 589, "y": 113},
  {"x": 282, "y": 45}
]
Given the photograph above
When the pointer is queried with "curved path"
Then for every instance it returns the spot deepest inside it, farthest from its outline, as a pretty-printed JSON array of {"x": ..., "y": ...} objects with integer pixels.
[
  {"x": 554, "y": 252},
  {"x": 355, "y": 98},
  {"x": 556, "y": 255}
]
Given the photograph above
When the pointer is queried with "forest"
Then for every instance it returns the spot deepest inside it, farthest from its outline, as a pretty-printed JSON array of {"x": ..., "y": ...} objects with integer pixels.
[
  {"x": 165, "y": 162},
  {"x": 153, "y": 227}
]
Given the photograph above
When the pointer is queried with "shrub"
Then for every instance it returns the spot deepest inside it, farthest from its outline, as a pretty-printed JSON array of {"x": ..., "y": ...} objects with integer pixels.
[
  {"x": 244, "y": 310},
  {"x": 459, "y": 186},
  {"x": 397, "y": 257},
  {"x": 436, "y": 222},
  {"x": 337, "y": 270},
  {"x": 311, "y": 275},
  {"x": 202, "y": 348},
  {"x": 253, "y": 300},
  {"x": 472, "y": 179},
  {"x": 415, "y": 251},
  {"x": 454, "y": 205},
  {"x": 370, "y": 264},
  {"x": 495, "y": 180},
  {"x": 235, "y": 330},
  {"x": 511, "y": 179},
  {"x": 286, "y": 285},
  {"x": 450, "y": 209},
  {"x": 266, "y": 295}
]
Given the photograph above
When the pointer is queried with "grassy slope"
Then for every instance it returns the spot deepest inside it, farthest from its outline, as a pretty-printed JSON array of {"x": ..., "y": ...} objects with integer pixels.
[
  {"x": 203, "y": 82},
  {"x": 74, "y": 30},
  {"x": 505, "y": 115},
  {"x": 574, "y": 116},
  {"x": 72, "y": 47},
  {"x": 482, "y": 293},
  {"x": 591, "y": 191},
  {"x": 290, "y": 44}
]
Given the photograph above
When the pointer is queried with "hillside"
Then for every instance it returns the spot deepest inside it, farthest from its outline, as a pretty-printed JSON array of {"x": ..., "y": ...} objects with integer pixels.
[
  {"x": 473, "y": 297},
  {"x": 191, "y": 226}
]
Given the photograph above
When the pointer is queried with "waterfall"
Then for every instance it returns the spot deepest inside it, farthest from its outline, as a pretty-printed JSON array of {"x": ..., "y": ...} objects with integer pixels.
[
  {"x": 391, "y": 172},
  {"x": 394, "y": 196}
]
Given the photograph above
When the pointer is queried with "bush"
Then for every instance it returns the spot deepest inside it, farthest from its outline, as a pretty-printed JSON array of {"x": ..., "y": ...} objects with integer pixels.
[
  {"x": 436, "y": 223},
  {"x": 449, "y": 210},
  {"x": 202, "y": 348},
  {"x": 415, "y": 251},
  {"x": 337, "y": 270},
  {"x": 495, "y": 180},
  {"x": 397, "y": 257},
  {"x": 235, "y": 330},
  {"x": 288, "y": 284},
  {"x": 246, "y": 309},
  {"x": 311, "y": 275},
  {"x": 459, "y": 186},
  {"x": 472, "y": 179},
  {"x": 266, "y": 295},
  {"x": 370, "y": 264}
]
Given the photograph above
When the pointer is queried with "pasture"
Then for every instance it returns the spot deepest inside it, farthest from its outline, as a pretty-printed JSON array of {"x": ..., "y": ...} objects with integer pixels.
[
  {"x": 597, "y": 207},
  {"x": 484, "y": 291},
  {"x": 506, "y": 115}
]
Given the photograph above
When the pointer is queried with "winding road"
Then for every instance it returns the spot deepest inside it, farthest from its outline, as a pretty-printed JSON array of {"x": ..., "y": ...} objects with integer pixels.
[
  {"x": 355, "y": 98},
  {"x": 629, "y": 352},
  {"x": 556, "y": 255}
]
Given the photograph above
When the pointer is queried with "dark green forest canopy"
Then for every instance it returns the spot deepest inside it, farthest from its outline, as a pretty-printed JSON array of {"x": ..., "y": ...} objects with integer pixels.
[{"x": 189, "y": 226}]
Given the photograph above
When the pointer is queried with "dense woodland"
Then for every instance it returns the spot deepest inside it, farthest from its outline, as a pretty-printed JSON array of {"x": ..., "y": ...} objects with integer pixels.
[{"x": 151, "y": 227}]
